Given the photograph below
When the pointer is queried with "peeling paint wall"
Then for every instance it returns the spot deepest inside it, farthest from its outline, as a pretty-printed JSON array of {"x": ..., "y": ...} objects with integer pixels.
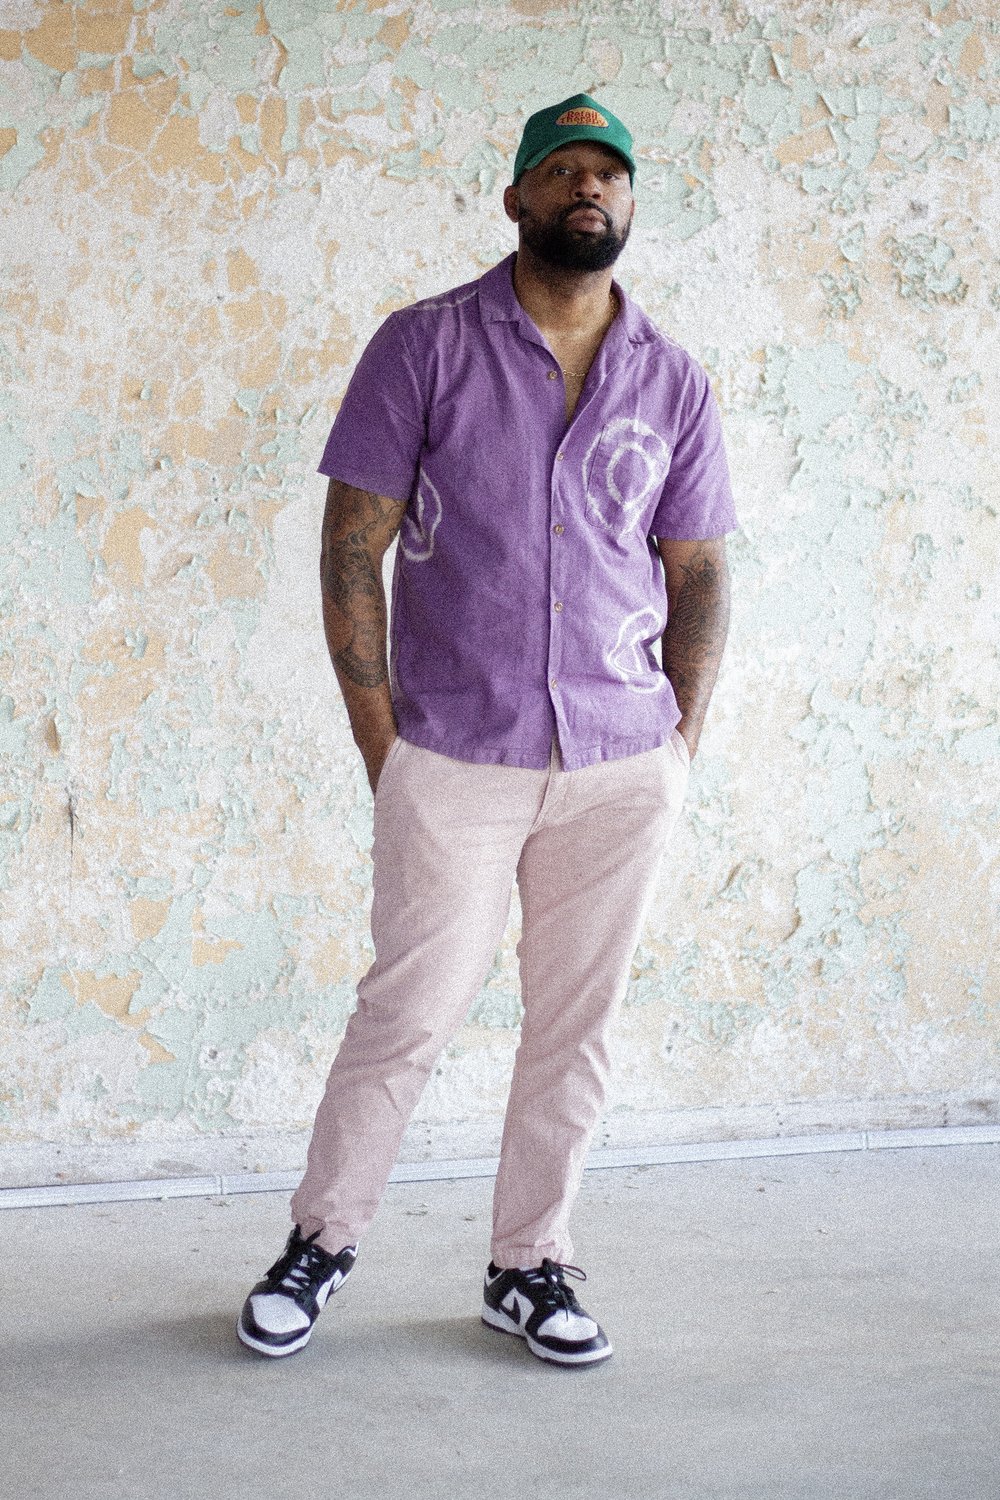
[{"x": 207, "y": 209}]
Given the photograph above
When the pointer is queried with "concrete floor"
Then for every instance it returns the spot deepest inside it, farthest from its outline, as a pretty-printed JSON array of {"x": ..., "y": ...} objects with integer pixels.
[{"x": 791, "y": 1328}]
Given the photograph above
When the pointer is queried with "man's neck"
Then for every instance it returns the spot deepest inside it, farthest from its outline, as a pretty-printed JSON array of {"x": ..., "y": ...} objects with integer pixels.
[{"x": 561, "y": 301}]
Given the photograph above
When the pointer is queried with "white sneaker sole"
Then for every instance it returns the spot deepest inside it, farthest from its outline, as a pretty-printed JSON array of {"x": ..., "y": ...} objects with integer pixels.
[
  {"x": 269, "y": 1349},
  {"x": 503, "y": 1324}
]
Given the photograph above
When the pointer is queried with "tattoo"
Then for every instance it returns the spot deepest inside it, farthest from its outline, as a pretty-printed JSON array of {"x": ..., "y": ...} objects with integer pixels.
[
  {"x": 357, "y": 527},
  {"x": 696, "y": 634},
  {"x": 362, "y": 670}
]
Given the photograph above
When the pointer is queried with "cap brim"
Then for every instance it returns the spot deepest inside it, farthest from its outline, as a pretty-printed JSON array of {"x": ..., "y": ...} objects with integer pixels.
[{"x": 584, "y": 134}]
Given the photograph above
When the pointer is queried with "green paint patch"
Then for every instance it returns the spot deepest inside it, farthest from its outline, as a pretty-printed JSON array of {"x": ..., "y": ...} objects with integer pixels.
[
  {"x": 718, "y": 1023},
  {"x": 852, "y": 244},
  {"x": 829, "y": 932},
  {"x": 89, "y": 1020},
  {"x": 925, "y": 272},
  {"x": 975, "y": 120},
  {"x": 20, "y": 160},
  {"x": 932, "y": 355},
  {"x": 482, "y": 166},
  {"x": 819, "y": 390},
  {"x": 15, "y": 816},
  {"x": 497, "y": 1008},
  {"x": 843, "y": 294},
  {"x": 148, "y": 64},
  {"x": 923, "y": 551},
  {"x": 964, "y": 387},
  {"x": 15, "y": 466},
  {"x": 829, "y": 178},
  {"x": 57, "y": 566},
  {"x": 667, "y": 201},
  {"x": 951, "y": 40},
  {"x": 978, "y": 747},
  {"x": 13, "y": 729},
  {"x": 879, "y": 36},
  {"x": 249, "y": 402},
  {"x": 51, "y": 999},
  {"x": 771, "y": 107}
]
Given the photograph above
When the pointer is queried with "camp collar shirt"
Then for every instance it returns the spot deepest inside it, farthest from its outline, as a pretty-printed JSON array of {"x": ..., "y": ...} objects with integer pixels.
[{"x": 528, "y": 598}]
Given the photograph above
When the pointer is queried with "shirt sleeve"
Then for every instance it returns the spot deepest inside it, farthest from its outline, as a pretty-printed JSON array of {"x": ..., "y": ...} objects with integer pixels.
[
  {"x": 377, "y": 436},
  {"x": 696, "y": 501}
]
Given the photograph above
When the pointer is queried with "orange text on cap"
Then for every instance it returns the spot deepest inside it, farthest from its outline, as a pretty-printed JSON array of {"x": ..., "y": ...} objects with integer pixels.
[{"x": 581, "y": 117}]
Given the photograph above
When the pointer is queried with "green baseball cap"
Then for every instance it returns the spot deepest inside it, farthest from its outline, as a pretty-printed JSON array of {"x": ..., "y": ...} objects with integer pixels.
[{"x": 577, "y": 119}]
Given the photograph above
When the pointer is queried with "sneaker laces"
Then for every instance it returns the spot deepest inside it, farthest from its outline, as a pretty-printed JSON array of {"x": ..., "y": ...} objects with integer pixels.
[
  {"x": 550, "y": 1280},
  {"x": 295, "y": 1271}
]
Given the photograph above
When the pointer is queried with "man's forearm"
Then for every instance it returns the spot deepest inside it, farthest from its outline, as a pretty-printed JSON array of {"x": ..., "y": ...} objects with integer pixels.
[
  {"x": 355, "y": 615},
  {"x": 357, "y": 645},
  {"x": 695, "y": 637}
]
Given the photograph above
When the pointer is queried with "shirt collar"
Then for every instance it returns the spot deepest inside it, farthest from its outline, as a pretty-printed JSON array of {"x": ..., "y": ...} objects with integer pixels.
[{"x": 498, "y": 304}]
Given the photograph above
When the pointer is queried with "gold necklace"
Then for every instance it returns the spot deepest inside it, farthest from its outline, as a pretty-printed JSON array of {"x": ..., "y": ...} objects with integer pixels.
[{"x": 582, "y": 374}]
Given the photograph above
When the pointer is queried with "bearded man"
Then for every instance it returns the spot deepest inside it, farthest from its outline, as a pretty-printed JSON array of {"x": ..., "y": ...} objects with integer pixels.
[{"x": 554, "y": 469}]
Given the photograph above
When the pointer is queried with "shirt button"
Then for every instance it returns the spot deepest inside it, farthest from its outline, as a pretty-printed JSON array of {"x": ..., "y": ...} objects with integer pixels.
[
  {"x": 558, "y": 530},
  {"x": 560, "y": 457},
  {"x": 557, "y": 606},
  {"x": 552, "y": 375},
  {"x": 553, "y": 684}
]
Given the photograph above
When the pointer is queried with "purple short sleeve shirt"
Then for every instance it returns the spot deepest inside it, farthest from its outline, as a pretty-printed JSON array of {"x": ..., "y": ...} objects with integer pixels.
[{"x": 528, "y": 598}]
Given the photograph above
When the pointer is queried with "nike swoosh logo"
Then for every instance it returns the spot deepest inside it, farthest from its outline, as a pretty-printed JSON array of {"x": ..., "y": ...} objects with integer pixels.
[{"x": 512, "y": 1306}]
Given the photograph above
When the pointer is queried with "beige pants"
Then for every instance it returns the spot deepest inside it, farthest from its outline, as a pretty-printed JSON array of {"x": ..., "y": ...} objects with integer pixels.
[{"x": 450, "y": 839}]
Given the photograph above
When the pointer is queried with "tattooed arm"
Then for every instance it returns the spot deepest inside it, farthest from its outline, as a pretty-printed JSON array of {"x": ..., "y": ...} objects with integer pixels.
[
  {"x": 358, "y": 527},
  {"x": 697, "y": 622}
]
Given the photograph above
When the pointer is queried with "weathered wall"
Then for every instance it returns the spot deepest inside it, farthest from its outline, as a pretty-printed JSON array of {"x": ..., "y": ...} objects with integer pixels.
[{"x": 207, "y": 209}]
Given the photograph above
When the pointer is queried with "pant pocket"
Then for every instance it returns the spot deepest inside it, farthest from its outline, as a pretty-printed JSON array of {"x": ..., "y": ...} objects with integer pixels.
[
  {"x": 392, "y": 754},
  {"x": 680, "y": 745}
]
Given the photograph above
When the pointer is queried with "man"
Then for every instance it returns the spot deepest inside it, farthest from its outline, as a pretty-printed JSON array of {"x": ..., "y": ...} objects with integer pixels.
[{"x": 553, "y": 466}]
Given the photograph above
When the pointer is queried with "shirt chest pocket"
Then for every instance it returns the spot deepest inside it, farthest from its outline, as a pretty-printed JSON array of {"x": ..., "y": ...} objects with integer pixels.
[{"x": 624, "y": 471}]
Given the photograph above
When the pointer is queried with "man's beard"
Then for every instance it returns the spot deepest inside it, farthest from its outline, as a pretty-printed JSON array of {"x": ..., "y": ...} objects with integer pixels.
[{"x": 569, "y": 249}]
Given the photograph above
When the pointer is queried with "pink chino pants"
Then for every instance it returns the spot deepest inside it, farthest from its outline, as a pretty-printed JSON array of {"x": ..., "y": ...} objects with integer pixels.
[{"x": 450, "y": 839}]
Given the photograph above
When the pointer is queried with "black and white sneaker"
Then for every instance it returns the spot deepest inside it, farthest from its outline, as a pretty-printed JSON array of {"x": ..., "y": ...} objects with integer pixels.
[
  {"x": 278, "y": 1316},
  {"x": 538, "y": 1306}
]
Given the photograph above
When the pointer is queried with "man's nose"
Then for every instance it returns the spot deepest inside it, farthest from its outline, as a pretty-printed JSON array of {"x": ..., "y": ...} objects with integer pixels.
[{"x": 587, "y": 185}]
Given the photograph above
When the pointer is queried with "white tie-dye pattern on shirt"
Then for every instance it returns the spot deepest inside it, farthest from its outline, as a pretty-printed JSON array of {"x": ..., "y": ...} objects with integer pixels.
[
  {"x": 629, "y": 657},
  {"x": 615, "y": 509},
  {"x": 416, "y": 535}
]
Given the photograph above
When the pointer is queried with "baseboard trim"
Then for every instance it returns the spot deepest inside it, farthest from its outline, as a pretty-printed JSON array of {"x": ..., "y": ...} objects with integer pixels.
[{"x": 211, "y": 1185}]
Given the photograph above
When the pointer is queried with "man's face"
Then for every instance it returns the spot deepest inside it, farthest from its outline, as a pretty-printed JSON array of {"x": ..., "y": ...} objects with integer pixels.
[{"x": 574, "y": 210}]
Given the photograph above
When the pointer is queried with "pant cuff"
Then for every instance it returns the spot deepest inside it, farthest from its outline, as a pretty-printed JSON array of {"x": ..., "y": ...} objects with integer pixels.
[
  {"x": 332, "y": 1237},
  {"x": 509, "y": 1257}
]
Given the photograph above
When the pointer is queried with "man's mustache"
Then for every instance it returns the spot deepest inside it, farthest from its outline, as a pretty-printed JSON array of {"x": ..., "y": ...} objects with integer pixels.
[{"x": 594, "y": 208}]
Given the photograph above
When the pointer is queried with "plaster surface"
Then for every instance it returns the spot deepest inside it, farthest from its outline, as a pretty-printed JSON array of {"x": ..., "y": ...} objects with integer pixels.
[{"x": 207, "y": 210}]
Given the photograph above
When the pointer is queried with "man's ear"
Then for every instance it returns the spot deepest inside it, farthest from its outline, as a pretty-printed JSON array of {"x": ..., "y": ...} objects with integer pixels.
[{"x": 512, "y": 203}]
